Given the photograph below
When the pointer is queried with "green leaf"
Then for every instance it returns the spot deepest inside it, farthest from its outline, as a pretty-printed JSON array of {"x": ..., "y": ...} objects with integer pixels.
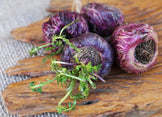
[
  {"x": 32, "y": 84},
  {"x": 74, "y": 103},
  {"x": 70, "y": 104},
  {"x": 39, "y": 90},
  {"x": 78, "y": 67},
  {"x": 59, "y": 43},
  {"x": 44, "y": 60},
  {"x": 33, "y": 51}
]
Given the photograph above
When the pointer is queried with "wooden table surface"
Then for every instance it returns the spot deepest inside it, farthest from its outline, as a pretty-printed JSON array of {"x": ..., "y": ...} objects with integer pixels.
[{"x": 122, "y": 94}]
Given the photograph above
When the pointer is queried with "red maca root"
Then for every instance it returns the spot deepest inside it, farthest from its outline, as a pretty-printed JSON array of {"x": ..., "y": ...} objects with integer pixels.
[{"x": 136, "y": 47}]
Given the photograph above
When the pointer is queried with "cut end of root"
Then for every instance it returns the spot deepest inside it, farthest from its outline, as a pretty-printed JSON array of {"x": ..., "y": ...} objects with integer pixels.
[
  {"x": 89, "y": 54},
  {"x": 144, "y": 52}
]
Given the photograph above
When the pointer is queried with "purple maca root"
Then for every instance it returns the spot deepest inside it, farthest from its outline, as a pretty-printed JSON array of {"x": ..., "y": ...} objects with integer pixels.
[
  {"x": 94, "y": 49},
  {"x": 54, "y": 25},
  {"x": 102, "y": 19},
  {"x": 136, "y": 47}
]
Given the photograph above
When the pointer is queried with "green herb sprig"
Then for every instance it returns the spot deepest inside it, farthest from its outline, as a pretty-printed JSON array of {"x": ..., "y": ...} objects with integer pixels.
[{"x": 82, "y": 74}]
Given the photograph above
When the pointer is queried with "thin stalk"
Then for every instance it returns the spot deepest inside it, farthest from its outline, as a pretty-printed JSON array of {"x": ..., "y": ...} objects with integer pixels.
[
  {"x": 67, "y": 26},
  {"x": 74, "y": 77},
  {"x": 45, "y": 45},
  {"x": 68, "y": 93},
  {"x": 65, "y": 63},
  {"x": 99, "y": 77},
  {"x": 42, "y": 84},
  {"x": 71, "y": 76},
  {"x": 33, "y": 50}
]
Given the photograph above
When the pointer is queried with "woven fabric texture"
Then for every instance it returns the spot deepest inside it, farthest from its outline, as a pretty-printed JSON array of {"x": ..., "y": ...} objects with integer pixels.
[{"x": 14, "y": 14}]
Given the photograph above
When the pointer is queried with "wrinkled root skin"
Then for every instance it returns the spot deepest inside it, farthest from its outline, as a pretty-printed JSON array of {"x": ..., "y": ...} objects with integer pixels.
[
  {"x": 93, "y": 40},
  {"x": 54, "y": 25},
  {"x": 126, "y": 38},
  {"x": 102, "y": 18}
]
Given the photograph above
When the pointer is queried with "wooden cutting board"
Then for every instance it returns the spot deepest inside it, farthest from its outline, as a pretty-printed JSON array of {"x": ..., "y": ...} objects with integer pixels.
[{"x": 123, "y": 94}]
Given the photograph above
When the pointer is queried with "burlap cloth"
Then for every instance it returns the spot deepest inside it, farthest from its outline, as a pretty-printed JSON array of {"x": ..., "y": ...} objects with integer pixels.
[{"x": 14, "y": 14}]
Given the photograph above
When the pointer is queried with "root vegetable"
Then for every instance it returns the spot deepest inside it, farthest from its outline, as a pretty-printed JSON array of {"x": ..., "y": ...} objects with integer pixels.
[
  {"x": 136, "y": 47},
  {"x": 102, "y": 19}
]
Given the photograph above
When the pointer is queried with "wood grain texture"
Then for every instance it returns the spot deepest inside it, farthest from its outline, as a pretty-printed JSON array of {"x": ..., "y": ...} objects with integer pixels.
[
  {"x": 30, "y": 34},
  {"x": 31, "y": 66},
  {"x": 123, "y": 94}
]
